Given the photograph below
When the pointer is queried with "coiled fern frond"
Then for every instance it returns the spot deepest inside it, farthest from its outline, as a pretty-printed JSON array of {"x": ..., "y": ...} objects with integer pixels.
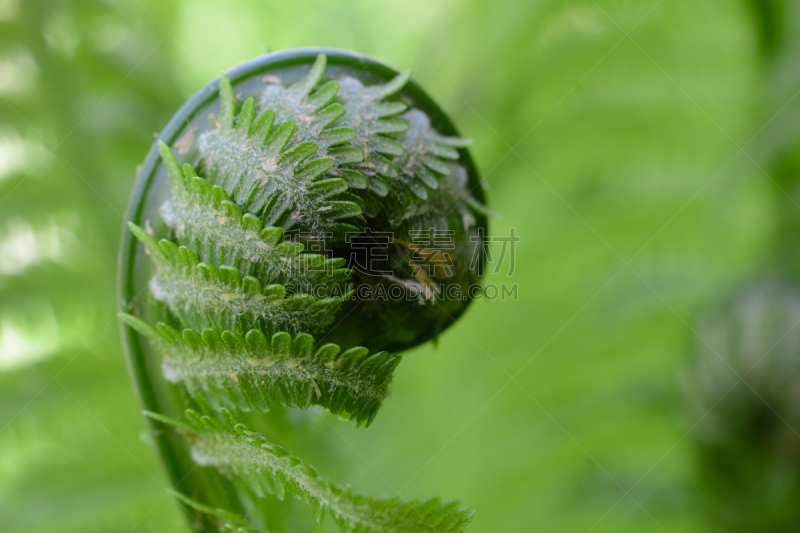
[{"x": 269, "y": 222}]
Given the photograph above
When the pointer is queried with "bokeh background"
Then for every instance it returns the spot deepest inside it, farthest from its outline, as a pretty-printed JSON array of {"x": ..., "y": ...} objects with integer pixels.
[{"x": 644, "y": 152}]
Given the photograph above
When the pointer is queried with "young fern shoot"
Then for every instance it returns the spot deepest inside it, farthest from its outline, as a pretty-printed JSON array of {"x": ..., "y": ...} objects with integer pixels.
[{"x": 256, "y": 286}]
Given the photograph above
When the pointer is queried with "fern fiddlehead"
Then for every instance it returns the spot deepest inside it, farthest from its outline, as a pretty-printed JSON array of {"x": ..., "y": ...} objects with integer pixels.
[{"x": 285, "y": 203}]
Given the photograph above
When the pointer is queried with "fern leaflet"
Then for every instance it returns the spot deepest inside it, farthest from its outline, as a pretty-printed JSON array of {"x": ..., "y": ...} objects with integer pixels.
[
  {"x": 204, "y": 219},
  {"x": 224, "y": 368},
  {"x": 260, "y": 466},
  {"x": 204, "y": 296},
  {"x": 266, "y": 174}
]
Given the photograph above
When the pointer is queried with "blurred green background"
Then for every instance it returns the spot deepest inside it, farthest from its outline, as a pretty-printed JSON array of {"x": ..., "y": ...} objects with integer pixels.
[{"x": 638, "y": 149}]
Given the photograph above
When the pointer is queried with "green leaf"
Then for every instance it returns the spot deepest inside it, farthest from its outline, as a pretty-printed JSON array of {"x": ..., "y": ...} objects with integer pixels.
[
  {"x": 224, "y": 368},
  {"x": 202, "y": 295},
  {"x": 203, "y": 218},
  {"x": 314, "y": 112},
  {"x": 265, "y": 173},
  {"x": 372, "y": 118},
  {"x": 351, "y": 132},
  {"x": 426, "y": 154},
  {"x": 451, "y": 200},
  {"x": 261, "y": 467}
]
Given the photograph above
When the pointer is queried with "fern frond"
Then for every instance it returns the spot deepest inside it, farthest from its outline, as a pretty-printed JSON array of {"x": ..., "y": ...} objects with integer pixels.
[
  {"x": 347, "y": 120},
  {"x": 203, "y": 296},
  {"x": 451, "y": 197},
  {"x": 425, "y": 154},
  {"x": 267, "y": 174},
  {"x": 372, "y": 118},
  {"x": 314, "y": 113},
  {"x": 308, "y": 163},
  {"x": 204, "y": 218},
  {"x": 258, "y": 465},
  {"x": 225, "y": 368}
]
